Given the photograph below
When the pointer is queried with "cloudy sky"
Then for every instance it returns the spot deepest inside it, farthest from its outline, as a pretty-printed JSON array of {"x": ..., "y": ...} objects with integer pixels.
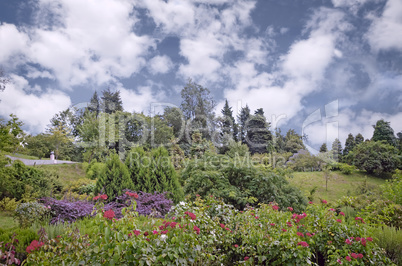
[{"x": 323, "y": 67}]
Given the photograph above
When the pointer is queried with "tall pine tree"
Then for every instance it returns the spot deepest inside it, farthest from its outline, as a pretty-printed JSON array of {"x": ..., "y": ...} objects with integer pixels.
[
  {"x": 337, "y": 150},
  {"x": 138, "y": 167},
  {"x": 349, "y": 144},
  {"x": 94, "y": 104},
  {"x": 111, "y": 101},
  {"x": 244, "y": 118},
  {"x": 359, "y": 139}
]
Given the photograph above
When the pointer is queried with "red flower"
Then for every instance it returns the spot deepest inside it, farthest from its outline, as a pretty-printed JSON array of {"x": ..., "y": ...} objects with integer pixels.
[
  {"x": 324, "y": 201},
  {"x": 272, "y": 224},
  {"x": 369, "y": 239},
  {"x": 360, "y": 256},
  {"x": 147, "y": 239},
  {"x": 196, "y": 229},
  {"x": 284, "y": 230},
  {"x": 173, "y": 224},
  {"x": 275, "y": 207},
  {"x": 34, "y": 246},
  {"x": 256, "y": 217},
  {"x": 192, "y": 215},
  {"x": 130, "y": 234},
  {"x": 104, "y": 197},
  {"x": 236, "y": 246},
  {"x": 308, "y": 234},
  {"x": 332, "y": 209},
  {"x": 354, "y": 255},
  {"x": 303, "y": 244},
  {"x": 342, "y": 213},
  {"x": 339, "y": 261},
  {"x": 146, "y": 233},
  {"x": 290, "y": 208},
  {"x": 154, "y": 232},
  {"x": 136, "y": 232},
  {"x": 348, "y": 258},
  {"x": 164, "y": 232},
  {"x": 246, "y": 258},
  {"x": 300, "y": 234},
  {"x": 357, "y": 238},
  {"x": 310, "y": 202},
  {"x": 222, "y": 225},
  {"x": 96, "y": 198},
  {"x": 348, "y": 242},
  {"x": 109, "y": 214},
  {"x": 339, "y": 220}
]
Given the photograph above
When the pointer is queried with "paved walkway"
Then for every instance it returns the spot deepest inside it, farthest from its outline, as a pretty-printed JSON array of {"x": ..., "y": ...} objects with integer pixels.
[{"x": 38, "y": 162}]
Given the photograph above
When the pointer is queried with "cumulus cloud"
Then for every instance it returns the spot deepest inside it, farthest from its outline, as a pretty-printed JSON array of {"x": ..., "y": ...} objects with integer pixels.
[
  {"x": 385, "y": 31},
  {"x": 160, "y": 64},
  {"x": 35, "y": 110},
  {"x": 140, "y": 101}
]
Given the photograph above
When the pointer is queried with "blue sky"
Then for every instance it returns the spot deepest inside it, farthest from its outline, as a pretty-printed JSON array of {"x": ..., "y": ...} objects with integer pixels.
[{"x": 323, "y": 67}]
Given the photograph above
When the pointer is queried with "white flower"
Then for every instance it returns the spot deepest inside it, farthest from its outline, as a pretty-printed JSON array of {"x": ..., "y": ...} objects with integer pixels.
[
  {"x": 163, "y": 237},
  {"x": 182, "y": 203}
]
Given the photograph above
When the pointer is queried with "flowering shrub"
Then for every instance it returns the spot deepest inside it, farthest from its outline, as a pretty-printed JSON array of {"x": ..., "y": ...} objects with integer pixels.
[
  {"x": 29, "y": 212},
  {"x": 197, "y": 233},
  {"x": 66, "y": 211}
]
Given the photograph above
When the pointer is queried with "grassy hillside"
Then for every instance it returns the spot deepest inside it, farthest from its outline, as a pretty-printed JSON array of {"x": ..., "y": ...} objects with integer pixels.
[
  {"x": 339, "y": 184},
  {"x": 67, "y": 173}
]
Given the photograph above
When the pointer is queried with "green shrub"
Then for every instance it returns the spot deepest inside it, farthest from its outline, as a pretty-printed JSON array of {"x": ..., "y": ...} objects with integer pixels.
[
  {"x": 114, "y": 179},
  {"x": 390, "y": 239},
  {"x": 240, "y": 184},
  {"x": 24, "y": 237},
  {"x": 94, "y": 170},
  {"x": 8, "y": 204},
  {"x": 29, "y": 212},
  {"x": 392, "y": 190},
  {"x": 346, "y": 169}
]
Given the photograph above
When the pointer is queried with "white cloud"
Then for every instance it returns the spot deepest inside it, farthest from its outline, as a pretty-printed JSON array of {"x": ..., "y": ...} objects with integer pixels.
[
  {"x": 35, "y": 110},
  {"x": 386, "y": 31},
  {"x": 13, "y": 42},
  {"x": 160, "y": 64},
  {"x": 141, "y": 101}
]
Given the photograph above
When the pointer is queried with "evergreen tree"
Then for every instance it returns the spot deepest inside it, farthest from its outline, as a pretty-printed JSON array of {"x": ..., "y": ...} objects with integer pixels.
[
  {"x": 111, "y": 101},
  {"x": 258, "y": 134},
  {"x": 337, "y": 149},
  {"x": 244, "y": 118},
  {"x": 94, "y": 105},
  {"x": 293, "y": 142},
  {"x": 349, "y": 144},
  {"x": 138, "y": 165},
  {"x": 399, "y": 141},
  {"x": 323, "y": 148},
  {"x": 383, "y": 131},
  {"x": 163, "y": 175},
  {"x": 229, "y": 125},
  {"x": 359, "y": 139},
  {"x": 279, "y": 141},
  {"x": 114, "y": 179}
]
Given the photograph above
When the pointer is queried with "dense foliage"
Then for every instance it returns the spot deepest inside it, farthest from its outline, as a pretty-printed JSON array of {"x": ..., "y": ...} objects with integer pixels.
[
  {"x": 210, "y": 232},
  {"x": 240, "y": 183}
]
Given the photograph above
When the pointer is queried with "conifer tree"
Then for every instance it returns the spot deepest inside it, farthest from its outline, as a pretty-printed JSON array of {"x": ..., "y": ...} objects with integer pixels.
[
  {"x": 337, "y": 149},
  {"x": 94, "y": 105},
  {"x": 114, "y": 179},
  {"x": 323, "y": 148},
  {"x": 258, "y": 134},
  {"x": 243, "y": 123},
  {"x": 349, "y": 144},
  {"x": 359, "y": 139},
  {"x": 138, "y": 166},
  {"x": 229, "y": 125}
]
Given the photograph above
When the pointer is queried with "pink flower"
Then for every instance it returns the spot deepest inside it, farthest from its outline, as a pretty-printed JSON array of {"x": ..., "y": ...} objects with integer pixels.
[
  {"x": 236, "y": 246},
  {"x": 196, "y": 229},
  {"x": 348, "y": 258},
  {"x": 310, "y": 202},
  {"x": 109, "y": 214},
  {"x": 136, "y": 232},
  {"x": 164, "y": 232},
  {"x": 130, "y": 234},
  {"x": 192, "y": 215},
  {"x": 146, "y": 233},
  {"x": 332, "y": 209},
  {"x": 104, "y": 197},
  {"x": 309, "y": 235},
  {"x": 290, "y": 208},
  {"x": 173, "y": 224},
  {"x": 246, "y": 258},
  {"x": 300, "y": 234},
  {"x": 369, "y": 239},
  {"x": 342, "y": 213},
  {"x": 256, "y": 217},
  {"x": 354, "y": 255},
  {"x": 348, "y": 242},
  {"x": 360, "y": 256},
  {"x": 303, "y": 244},
  {"x": 357, "y": 238},
  {"x": 284, "y": 230},
  {"x": 339, "y": 220},
  {"x": 324, "y": 201},
  {"x": 275, "y": 207},
  {"x": 154, "y": 232},
  {"x": 272, "y": 224},
  {"x": 339, "y": 261},
  {"x": 222, "y": 225}
]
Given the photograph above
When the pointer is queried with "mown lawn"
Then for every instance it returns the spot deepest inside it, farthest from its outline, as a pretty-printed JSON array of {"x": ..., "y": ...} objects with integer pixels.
[
  {"x": 67, "y": 173},
  {"x": 339, "y": 184},
  {"x": 7, "y": 221}
]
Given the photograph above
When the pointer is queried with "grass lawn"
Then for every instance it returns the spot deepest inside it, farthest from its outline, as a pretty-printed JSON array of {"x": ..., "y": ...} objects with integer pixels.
[
  {"x": 67, "y": 173},
  {"x": 7, "y": 221},
  {"x": 339, "y": 184}
]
